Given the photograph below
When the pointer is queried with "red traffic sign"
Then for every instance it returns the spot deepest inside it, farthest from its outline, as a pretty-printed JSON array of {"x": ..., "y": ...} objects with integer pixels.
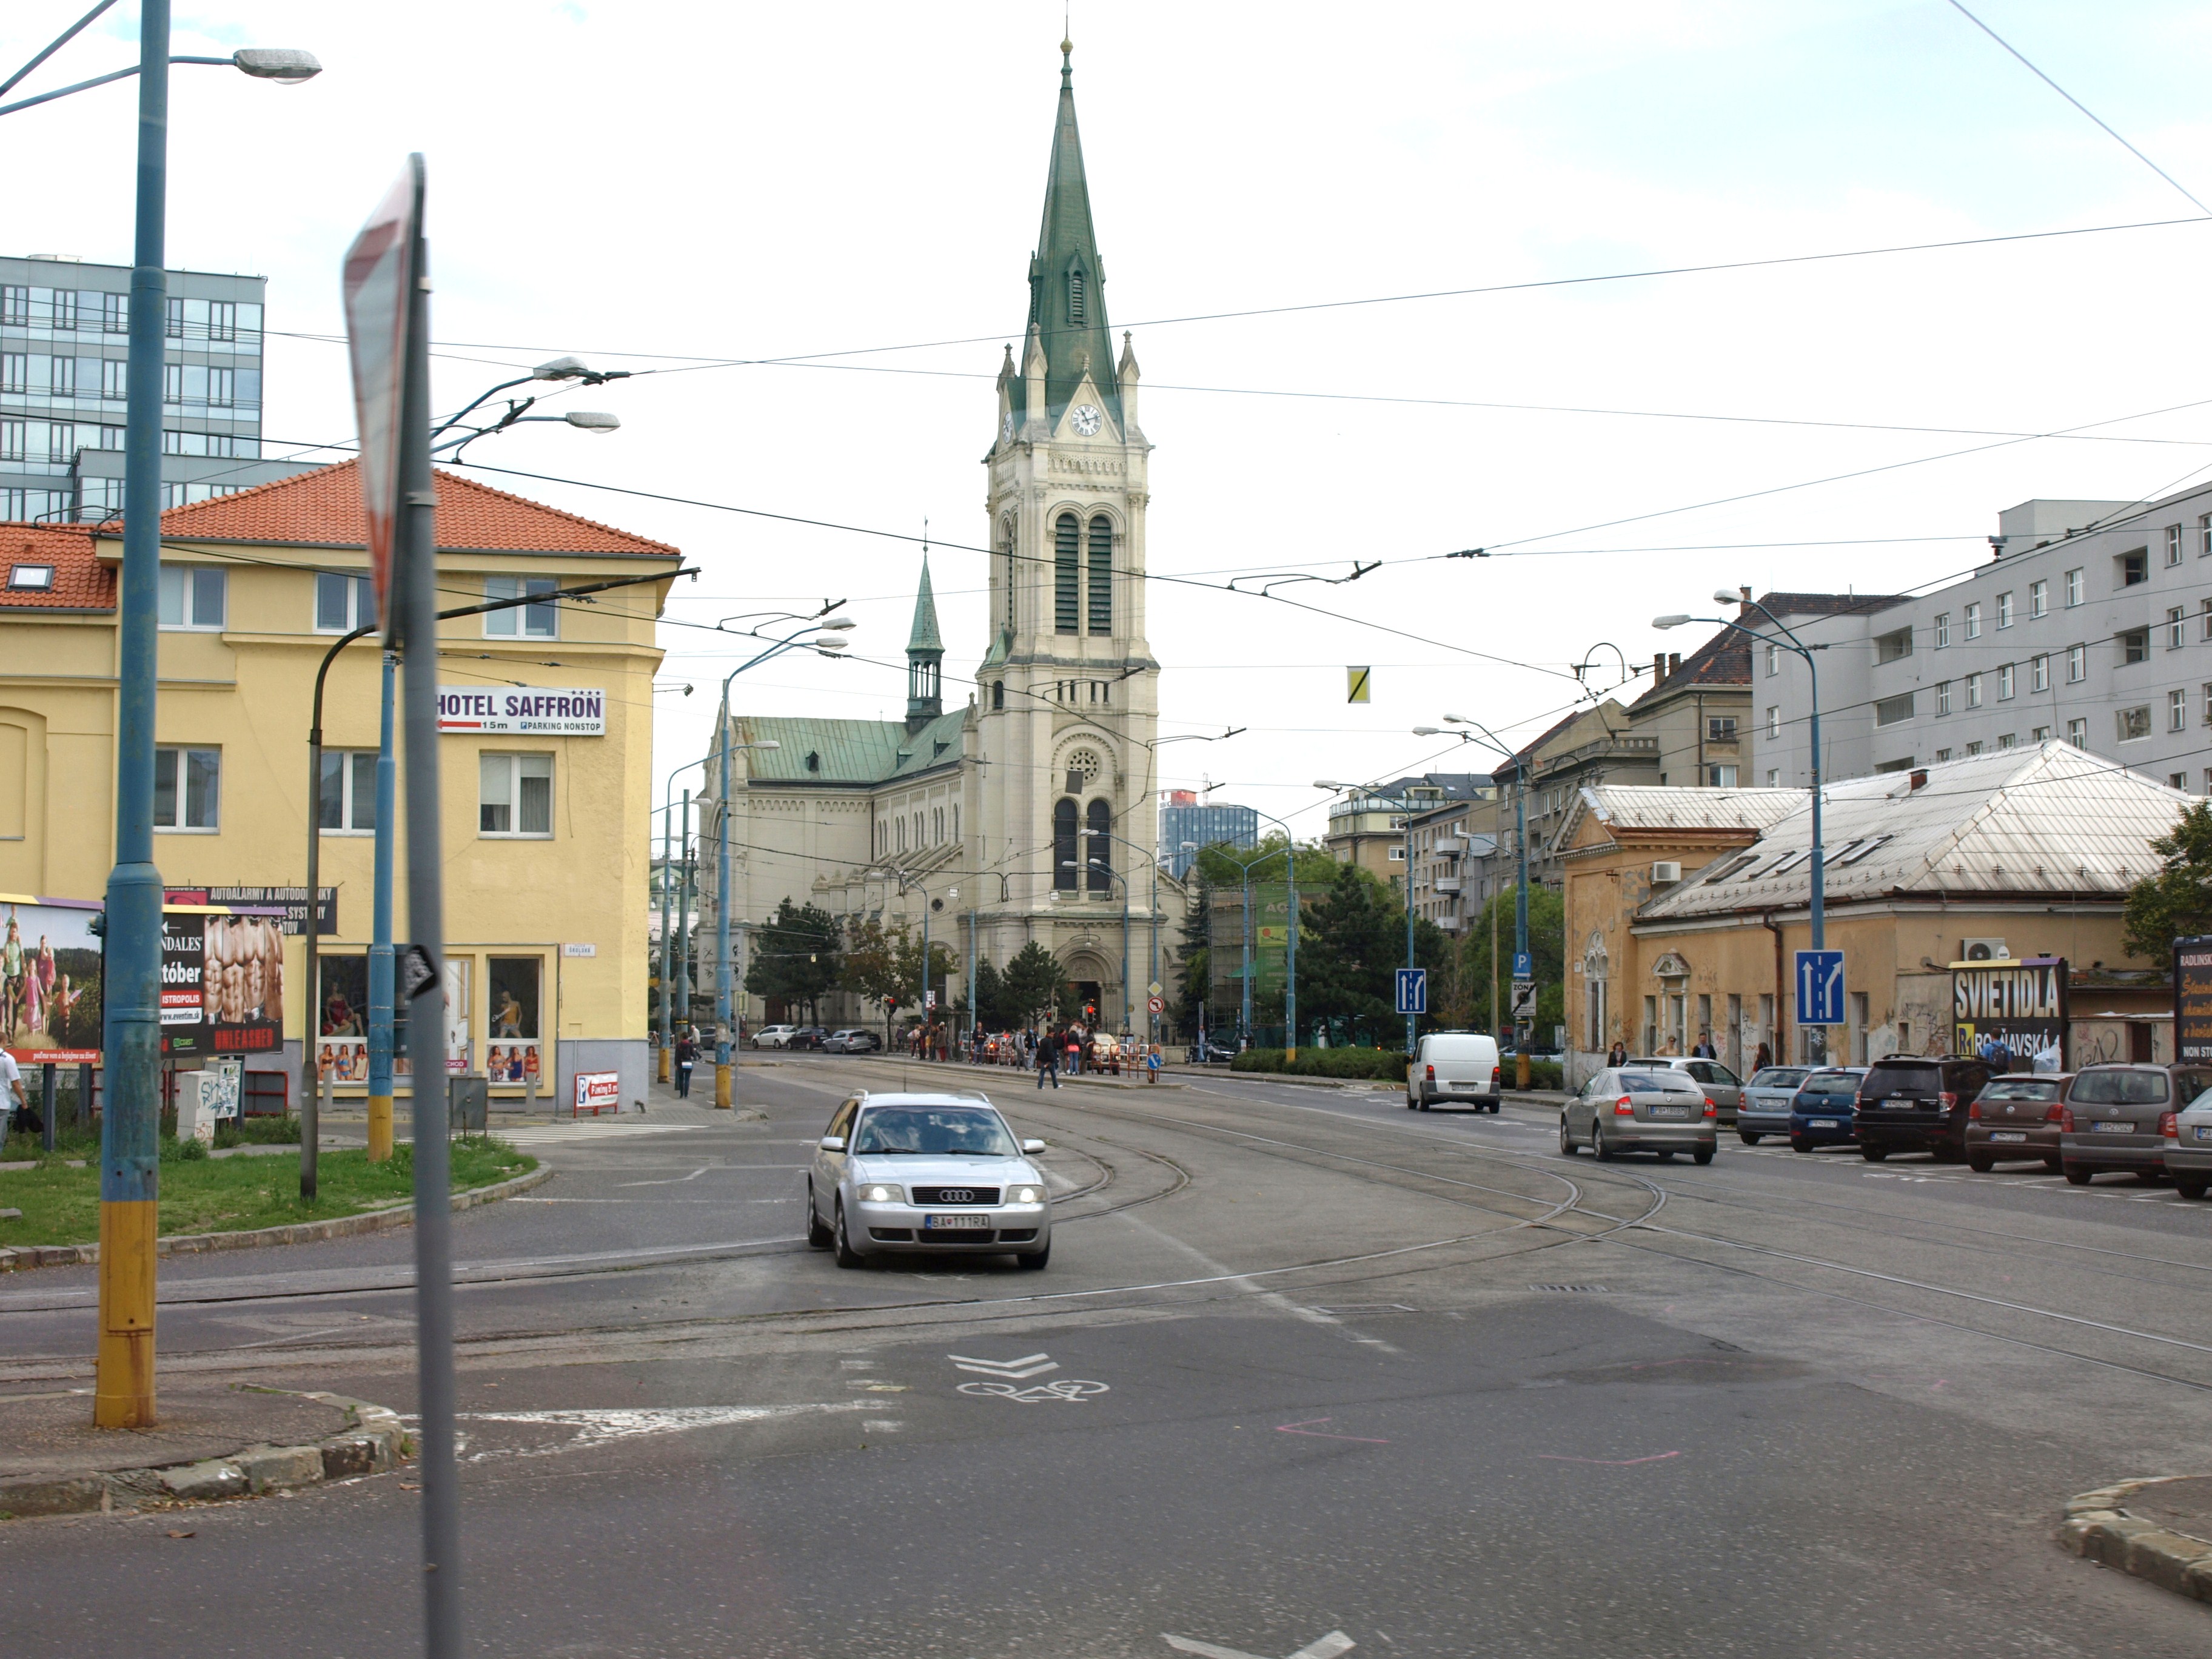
[
  {"x": 381, "y": 291},
  {"x": 1158, "y": 1004}
]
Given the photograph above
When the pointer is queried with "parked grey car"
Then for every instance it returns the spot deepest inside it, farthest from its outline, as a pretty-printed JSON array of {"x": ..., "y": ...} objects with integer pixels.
[
  {"x": 2189, "y": 1147},
  {"x": 926, "y": 1172},
  {"x": 1722, "y": 1086},
  {"x": 1639, "y": 1109},
  {"x": 1764, "y": 1107},
  {"x": 2114, "y": 1118}
]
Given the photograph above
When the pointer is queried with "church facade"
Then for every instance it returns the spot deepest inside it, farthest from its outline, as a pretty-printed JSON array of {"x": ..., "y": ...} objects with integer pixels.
[{"x": 1027, "y": 813}]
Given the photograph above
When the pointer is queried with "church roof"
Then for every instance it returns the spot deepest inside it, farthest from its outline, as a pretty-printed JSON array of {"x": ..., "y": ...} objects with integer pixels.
[
  {"x": 925, "y": 636},
  {"x": 1068, "y": 280},
  {"x": 864, "y": 752}
]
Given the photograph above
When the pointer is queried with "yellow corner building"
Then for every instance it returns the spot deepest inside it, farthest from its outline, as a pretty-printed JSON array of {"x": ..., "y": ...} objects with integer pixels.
[{"x": 545, "y": 754}]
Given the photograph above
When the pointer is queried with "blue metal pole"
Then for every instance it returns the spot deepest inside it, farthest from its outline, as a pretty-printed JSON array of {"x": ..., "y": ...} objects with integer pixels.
[
  {"x": 1246, "y": 1032},
  {"x": 1410, "y": 1017},
  {"x": 123, "y": 1392},
  {"x": 380, "y": 949},
  {"x": 723, "y": 1100}
]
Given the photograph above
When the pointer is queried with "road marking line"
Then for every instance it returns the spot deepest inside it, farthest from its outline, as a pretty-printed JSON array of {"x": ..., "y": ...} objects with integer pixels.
[
  {"x": 1326, "y": 1647},
  {"x": 1300, "y": 1428},
  {"x": 1034, "y": 1365},
  {"x": 1610, "y": 1462},
  {"x": 1067, "y": 1389},
  {"x": 599, "y": 1427},
  {"x": 676, "y": 1181}
]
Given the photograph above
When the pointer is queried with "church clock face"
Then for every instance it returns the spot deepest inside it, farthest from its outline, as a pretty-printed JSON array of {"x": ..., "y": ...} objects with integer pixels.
[
  {"x": 1007, "y": 427},
  {"x": 1087, "y": 420}
]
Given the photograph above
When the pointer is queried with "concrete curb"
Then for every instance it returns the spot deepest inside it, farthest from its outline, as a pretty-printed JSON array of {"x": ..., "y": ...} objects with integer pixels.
[
  {"x": 299, "y": 1232},
  {"x": 2097, "y": 1528},
  {"x": 373, "y": 1441}
]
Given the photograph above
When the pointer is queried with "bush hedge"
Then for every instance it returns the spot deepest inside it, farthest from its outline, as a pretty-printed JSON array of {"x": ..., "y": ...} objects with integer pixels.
[{"x": 1385, "y": 1065}]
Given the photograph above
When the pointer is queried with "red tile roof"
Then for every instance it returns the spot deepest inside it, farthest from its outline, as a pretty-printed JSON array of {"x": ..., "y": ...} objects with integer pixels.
[
  {"x": 81, "y": 581},
  {"x": 323, "y": 508}
]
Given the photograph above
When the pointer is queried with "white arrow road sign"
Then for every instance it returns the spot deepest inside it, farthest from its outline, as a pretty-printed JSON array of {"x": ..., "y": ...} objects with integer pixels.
[
  {"x": 1323, "y": 1647},
  {"x": 1012, "y": 1370}
]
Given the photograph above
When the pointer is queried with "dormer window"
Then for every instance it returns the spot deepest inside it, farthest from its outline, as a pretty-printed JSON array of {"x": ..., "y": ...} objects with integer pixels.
[{"x": 31, "y": 578}]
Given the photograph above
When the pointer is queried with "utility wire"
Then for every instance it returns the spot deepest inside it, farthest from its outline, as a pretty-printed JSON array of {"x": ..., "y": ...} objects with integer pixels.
[{"x": 2078, "y": 105}]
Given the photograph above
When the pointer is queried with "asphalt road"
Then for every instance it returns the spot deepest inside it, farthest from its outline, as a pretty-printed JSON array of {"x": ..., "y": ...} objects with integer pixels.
[{"x": 1304, "y": 1363}]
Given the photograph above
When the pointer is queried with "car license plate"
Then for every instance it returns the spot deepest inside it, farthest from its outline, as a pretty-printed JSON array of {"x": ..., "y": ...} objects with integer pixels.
[
  {"x": 1827, "y": 1123},
  {"x": 1670, "y": 1111},
  {"x": 2113, "y": 1128},
  {"x": 946, "y": 1224},
  {"x": 2204, "y": 1132},
  {"x": 2008, "y": 1135}
]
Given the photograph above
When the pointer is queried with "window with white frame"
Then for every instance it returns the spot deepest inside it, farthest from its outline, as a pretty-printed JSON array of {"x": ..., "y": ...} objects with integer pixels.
[
  {"x": 188, "y": 789},
  {"x": 347, "y": 792},
  {"x": 526, "y": 622},
  {"x": 2006, "y": 741},
  {"x": 2204, "y": 535},
  {"x": 2077, "y": 663},
  {"x": 2077, "y": 733},
  {"x": 2039, "y": 673},
  {"x": 1720, "y": 777},
  {"x": 1942, "y": 630},
  {"x": 1942, "y": 696},
  {"x": 1942, "y": 755},
  {"x": 193, "y": 597},
  {"x": 2173, "y": 543},
  {"x": 1973, "y": 694},
  {"x": 115, "y": 379},
  {"x": 343, "y": 602},
  {"x": 1971, "y": 615},
  {"x": 2177, "y": 779},
  {"x": 2041, "y": 734},
  {"x": 2177, "y": 710},
  {"x": 2134, "y": 723},
  {"x": 1888, "y": 711},
  {"x": 2177, "y": 628},
  {"x": 2072, "y": 587},
  {"x": 1975, "y": 747},
  {"x": 514, "y": 795},
  {"x": 2038, "y": 600},
  {"x": 1773, "y": 660},
  {"x": 1773, "y": 719},
  {"x": 2004, "y": 611},
  {"x": 2135, "y": 645},
  {"x": 1773, "y": 777},
  {"x": 2004, "y": 683}
]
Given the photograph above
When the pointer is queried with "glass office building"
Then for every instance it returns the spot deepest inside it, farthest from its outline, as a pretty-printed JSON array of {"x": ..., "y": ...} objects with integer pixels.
[{"x": 64, "y": 340}]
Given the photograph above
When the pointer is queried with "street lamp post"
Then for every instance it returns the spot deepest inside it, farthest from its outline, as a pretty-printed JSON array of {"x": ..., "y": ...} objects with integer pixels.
[
  {"x": 1789, "y": 641},
  {"x": 828, "y": 644},
  {"x": 122, "y": 1388}
]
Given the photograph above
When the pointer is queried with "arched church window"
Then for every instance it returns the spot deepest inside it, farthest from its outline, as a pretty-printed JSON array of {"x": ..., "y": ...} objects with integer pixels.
[
  {"x": 1098, "y": 850},
  {"x": 901, "y": 835},
  {"x": 998, "y": 695},
  {"x": 956, "y": 820},
  {"x": 1064, "y": 855},
  {"x": 936, "y": 823},
  {"x": 1101, "y": 574},
  {"x": 1066, "y": 614}
]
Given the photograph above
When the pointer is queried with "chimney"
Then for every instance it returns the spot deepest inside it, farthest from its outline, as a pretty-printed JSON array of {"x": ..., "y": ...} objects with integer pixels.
[
  {"x": 1919, "y": 778},
  {"x": 1674, "y": 664},
  {"x": 1659, "y": 668},
  {"x": 1747, "y": 601}
]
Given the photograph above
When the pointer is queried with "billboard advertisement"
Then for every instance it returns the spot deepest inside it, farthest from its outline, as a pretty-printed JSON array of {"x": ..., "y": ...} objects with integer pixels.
[
  {"x": 2015, "y": 1004},
  {"x": 541, "y": 711},
  {"x": 292, "y": 902},
  {"x": 222, "y": 983},
  {"x": 2192, "y": 999},
  {"x": 49, "y": 980}
]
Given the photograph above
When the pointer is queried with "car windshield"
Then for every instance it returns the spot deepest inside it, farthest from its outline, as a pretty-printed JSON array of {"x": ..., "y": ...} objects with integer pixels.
[
  {"x": 1831, "y": 1083},
  {"x": 1656, "y": 1082},
  {"x": 934, "y": 1130},
  {"x": 2120, "y": 1088},
  {"x": 2040, "y": 1088},
  {"x": 1778, "y": 1076}
]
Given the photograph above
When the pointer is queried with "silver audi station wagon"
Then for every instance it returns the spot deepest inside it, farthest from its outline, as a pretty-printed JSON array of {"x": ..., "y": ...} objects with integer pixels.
[{"x": 931, "y": 1173}]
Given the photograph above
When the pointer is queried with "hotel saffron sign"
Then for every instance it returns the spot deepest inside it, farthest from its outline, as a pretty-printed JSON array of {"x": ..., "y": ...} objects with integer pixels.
[{"x": 542, "y": 711}]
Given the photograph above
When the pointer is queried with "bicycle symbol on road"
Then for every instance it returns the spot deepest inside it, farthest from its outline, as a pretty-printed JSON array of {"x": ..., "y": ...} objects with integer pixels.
[{"x": 1069, "y": 1389}]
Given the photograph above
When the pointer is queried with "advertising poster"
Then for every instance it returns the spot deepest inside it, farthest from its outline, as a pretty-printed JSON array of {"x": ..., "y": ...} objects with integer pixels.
[
  {"x": 222, "y": 983},
  {"x": 2015, "y": 1006},
  {"x": 513, "y": 1054},
  {"x": 290, "y": 903},
  {"x": 596, "y": 1092},
  {"x": 2192, "y": 999},
  {"x": 49, "y": 981}
]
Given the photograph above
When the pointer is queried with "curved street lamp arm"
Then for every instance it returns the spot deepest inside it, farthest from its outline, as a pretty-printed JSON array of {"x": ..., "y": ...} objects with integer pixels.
[{"x": 60, "y": 40}]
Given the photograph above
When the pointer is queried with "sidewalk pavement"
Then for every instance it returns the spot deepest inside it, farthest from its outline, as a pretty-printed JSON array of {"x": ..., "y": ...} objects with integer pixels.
[
  {"x": 211, "y": 1442},
  {"x": 2159, "y": 1528}
]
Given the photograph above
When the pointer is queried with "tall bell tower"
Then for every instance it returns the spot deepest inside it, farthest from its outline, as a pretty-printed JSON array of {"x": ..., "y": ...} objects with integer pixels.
[{"x": 1068, "y": 701}]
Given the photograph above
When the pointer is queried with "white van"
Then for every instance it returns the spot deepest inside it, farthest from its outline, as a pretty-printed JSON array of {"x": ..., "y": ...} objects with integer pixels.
[{"x": 1455, "y": 1066}]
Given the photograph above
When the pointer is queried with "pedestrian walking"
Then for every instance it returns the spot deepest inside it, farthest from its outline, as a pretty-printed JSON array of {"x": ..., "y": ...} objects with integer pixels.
[
  {"x": 1618, "y": 1054},
  {"x": 687, "y": 1056},
  {"x": 1047, "y": 1062}
]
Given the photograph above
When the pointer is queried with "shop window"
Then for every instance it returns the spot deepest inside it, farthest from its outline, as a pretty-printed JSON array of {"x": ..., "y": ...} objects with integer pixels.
[
  {"x": 513, "y": 1054},
  {"x": 514, "y": 795},
  {"x": 341, "y": 1024}
]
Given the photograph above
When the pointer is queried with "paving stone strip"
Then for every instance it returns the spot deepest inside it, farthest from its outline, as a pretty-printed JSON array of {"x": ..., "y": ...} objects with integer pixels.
[
  {"x": 2098, "y": 1527},
  {"x": 401, "y": 1214},
  {"x": 372, "y": 1441}
]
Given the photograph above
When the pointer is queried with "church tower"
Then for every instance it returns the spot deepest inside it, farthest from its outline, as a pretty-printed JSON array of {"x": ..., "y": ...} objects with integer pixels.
[
  {"x": 1068, "y": 689},
  {"x": 925, "y": 658}
]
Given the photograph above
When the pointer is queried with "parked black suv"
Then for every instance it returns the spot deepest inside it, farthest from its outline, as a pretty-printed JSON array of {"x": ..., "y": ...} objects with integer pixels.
[{"x": 1908, "y": 1103}]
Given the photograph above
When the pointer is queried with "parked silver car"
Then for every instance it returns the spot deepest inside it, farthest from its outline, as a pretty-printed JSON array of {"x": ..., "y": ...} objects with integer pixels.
[
  {"x": 929, "y": 1172},
  {"x": 1639, "y": 1109},
  {"x": 2112, "y": 1119},
  {"x": 1721, "y": 1086},
  {"x": 2189, "y": 1142},
  {"x": 1764, "y": 1107}
]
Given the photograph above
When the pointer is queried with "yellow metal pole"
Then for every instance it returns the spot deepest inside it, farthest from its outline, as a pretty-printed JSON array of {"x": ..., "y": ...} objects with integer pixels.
[
  {"x": 722, "y": 1086},
  {"x": 379, "y": 1127},
  {"x": 123, "y": 1395}
]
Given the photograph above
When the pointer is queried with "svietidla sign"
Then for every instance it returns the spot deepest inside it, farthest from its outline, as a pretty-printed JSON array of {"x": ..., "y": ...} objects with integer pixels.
[{"x": 544, "y": 711}]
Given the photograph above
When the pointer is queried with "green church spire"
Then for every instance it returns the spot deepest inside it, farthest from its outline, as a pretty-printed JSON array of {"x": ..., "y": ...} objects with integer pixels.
[
  {"x": 1068, "y": 279},
  {"x": 925, "y": 658}
]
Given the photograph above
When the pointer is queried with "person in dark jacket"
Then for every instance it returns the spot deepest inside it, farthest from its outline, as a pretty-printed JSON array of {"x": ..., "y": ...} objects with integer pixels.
[
  {"x": 1048, "y": 1060},
  {"x": 687, "y": 1056}
]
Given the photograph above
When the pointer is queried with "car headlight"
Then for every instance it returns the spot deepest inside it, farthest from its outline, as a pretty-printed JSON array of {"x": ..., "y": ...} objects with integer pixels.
[
  {"x": 877, "y": 1193},
  {"x": 1024, "y": 1195}
]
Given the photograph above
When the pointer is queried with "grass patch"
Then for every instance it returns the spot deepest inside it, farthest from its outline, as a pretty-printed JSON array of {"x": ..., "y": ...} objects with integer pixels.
[{"x": 61, "y": 1205}]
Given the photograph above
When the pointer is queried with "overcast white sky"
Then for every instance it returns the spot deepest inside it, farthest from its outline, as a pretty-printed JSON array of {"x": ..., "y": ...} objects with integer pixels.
[{"x": 647, "y": 184}]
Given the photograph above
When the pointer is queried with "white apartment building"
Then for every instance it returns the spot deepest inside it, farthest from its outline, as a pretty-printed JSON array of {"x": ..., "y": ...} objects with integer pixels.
[{"x": 2091, "y": 625}]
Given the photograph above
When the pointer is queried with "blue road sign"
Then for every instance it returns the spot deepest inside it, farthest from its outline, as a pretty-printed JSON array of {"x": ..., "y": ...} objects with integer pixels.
[
  {"x": 1820, "y": 988},
  {"x": 1412, "y": 990},
  {"x": 1524, "y": 964}
]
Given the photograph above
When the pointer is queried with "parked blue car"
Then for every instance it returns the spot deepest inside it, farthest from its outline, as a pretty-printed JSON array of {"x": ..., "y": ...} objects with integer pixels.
[{"x": 1820, "y": 1112}]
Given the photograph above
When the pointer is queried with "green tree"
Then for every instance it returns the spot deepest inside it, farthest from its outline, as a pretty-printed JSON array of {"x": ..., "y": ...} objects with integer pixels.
[
  {"x": 872, "y": 966},
  {"x": 1034, "y": 984},
  {"x": 1194, "y": 967},
  {"x": 1547, "y": 924},
  {"x": 990, "y": 995},
  {"x": 796, "y": 955},
  {"x": 907, "y": 952},
  {"x": 1349, "y": 942},
  {"x": 2176, "y": 902}
]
